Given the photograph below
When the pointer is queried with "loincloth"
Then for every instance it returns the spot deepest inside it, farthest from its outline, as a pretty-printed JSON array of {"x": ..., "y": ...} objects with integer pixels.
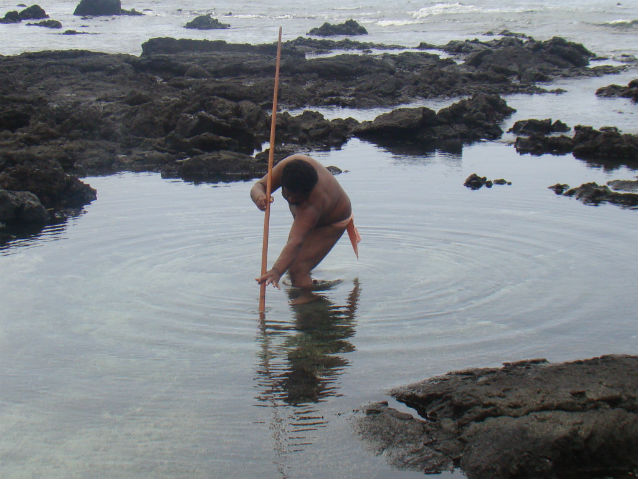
[{"x": 353, "y": 233}]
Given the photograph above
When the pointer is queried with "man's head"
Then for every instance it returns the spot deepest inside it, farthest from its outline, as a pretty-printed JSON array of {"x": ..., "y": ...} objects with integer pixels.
[{"x": 297, "y": 180}]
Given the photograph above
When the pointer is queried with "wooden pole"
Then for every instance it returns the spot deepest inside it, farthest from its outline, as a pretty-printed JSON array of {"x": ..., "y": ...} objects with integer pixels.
[{"x": 271, "y": 153}]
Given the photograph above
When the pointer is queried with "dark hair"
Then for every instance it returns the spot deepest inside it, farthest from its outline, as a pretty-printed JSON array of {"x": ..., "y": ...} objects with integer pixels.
[{"x": 299, "y": 176}]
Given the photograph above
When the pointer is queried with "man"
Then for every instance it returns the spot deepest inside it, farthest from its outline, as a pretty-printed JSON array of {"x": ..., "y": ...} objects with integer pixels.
[{"x": 321, "y": 212}]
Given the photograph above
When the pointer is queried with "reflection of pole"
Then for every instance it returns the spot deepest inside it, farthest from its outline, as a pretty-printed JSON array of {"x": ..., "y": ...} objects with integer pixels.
[
  {"x": 277, "y": 425},
  {"x": 271, "y": 153}
]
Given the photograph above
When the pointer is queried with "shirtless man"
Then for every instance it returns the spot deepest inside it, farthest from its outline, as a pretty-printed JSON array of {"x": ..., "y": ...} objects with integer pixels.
[{"x": 321, "y": 212}]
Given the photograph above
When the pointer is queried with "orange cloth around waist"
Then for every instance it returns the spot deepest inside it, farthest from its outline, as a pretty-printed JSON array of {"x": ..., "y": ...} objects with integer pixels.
[{"x": 353, "y": 233}]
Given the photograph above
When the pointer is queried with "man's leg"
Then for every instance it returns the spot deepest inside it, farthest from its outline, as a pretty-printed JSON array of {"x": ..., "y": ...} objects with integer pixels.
[{"x": 315, "y": 248}]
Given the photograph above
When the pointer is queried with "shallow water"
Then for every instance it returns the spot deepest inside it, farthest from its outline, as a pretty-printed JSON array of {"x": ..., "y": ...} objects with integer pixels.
[{"x": 131, "y": 344}]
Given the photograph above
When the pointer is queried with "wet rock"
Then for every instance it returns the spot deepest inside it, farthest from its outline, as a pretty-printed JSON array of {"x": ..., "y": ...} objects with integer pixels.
[
  {"x": 11, "y": 17},
  {"x": 98, "y": 8},
  {"x": 541, "y": 144},
  {"x": 206, "y": 22},
  {"x": 476, "y": 182},
  {"x": 466, "y": 121},
  {"x": 47, "y": 24},
  {"x": 594, "y": 194},
  {"x": 216, "y": 166},
  {"x": 559, "y": 188},
  {"x": 606, "y": 144},
  {"x": 523, "y": 58},
  {"x": 538, "y": 127},
  {"x": 34, "y": 12},
  {"x": 311, "y": 129},
  {"x": 527, "y": 419},
  {"x": 624, "y": 185},
  {"x": 46, "y": 179},
  {"x": 349, "y": 27},
  {"x": 22, "y": 207},
  {"x": 629, "y": 91}
]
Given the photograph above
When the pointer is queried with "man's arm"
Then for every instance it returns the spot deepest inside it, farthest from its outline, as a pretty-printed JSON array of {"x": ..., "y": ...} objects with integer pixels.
[{"x": 305, "y": 220}]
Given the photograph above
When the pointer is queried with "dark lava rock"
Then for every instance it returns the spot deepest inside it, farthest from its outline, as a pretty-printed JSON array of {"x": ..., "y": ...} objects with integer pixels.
[
  {"x": 216, "y": 166},
  {"x": 44, "y": 178},
  {"x": 523, "y": 58},
  {"x": 47, "y": 24},
  {"x": 538, "y": 127},
  {"x": 311, "y": 129},
  {"x": 466, "y": 121},
  {"x": 528, "y": 419},
  {"x": 594, "y": 194},
  {"x": 11, "y": 17},
  {"x": 34, "y": 12},
  {"x": 540, "y": 144},
  {"x": 559, "y": 188},
  {"x": 349, "y": 27},
  {"x": 22, "y": 207},
  {"x": 98, "y": 8},
  {"x": 476, "y": 182},
  {"x": 629, "y": 91},
  {"x": 206, "y": 22},
  {"x": 607, "y": 145}
]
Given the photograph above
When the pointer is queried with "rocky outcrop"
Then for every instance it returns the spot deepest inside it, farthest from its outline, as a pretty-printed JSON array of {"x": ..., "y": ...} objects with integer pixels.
[
  {"x": 476, "y": 182},
  {"x": 595, "y": 194},
  {"x": 605, "y": 147},
  {"x": 538, "y": 127},
  {"x": 98, "y": 8},
  {"x": 527, "y": 419},
  {"x": 463, "y": 122},
  {"x": 349, "y": 27},
  {"x": 629, "y": 91},
  {"x": 206, "y": 22},
  {"x": 184, "y": 104},
  {"x": 34, "y": 12}
]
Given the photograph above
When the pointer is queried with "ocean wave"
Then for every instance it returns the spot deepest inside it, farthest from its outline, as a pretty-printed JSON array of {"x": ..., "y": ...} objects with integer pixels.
[
  {"x": 444, "y": 8},
  {"x": 395, "y": 23},
  {"x": 621, "y": 23},
  {"x": 462, "y": 8}
]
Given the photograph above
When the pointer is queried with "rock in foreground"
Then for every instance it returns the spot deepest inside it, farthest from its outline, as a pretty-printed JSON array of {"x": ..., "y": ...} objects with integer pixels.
[{"x": 527, "y": 419}]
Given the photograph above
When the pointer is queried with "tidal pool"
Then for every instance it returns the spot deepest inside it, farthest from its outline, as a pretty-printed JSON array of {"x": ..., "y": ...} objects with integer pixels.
[{"x": 131, "y": 343}]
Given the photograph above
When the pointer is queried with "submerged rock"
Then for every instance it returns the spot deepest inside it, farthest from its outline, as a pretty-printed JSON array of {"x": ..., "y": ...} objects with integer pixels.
[
  {"x": 595, "y": 194},
  {"x": 538, "y": 127},
  {"x": 349, "y": 27},
  {"x": 98, "y": 8},
  {"x": 527, "y": 419},
  {"x": 206, "y": 22},
  {"x": 607, "y": 146},
  {"x": 629, "y": 91},
  {"x": 476, "y": 182}
]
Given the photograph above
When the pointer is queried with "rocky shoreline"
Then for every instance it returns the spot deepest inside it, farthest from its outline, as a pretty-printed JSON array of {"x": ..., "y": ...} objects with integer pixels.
[
  {"x": 526, "y": 419},
  {"x": 199, "y": 110}
]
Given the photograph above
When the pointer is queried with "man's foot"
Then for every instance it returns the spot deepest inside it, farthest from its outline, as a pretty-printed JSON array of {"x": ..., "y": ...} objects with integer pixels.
[
  {"x": 306, "y": 296},
  {"x": 321, "y": 285}
]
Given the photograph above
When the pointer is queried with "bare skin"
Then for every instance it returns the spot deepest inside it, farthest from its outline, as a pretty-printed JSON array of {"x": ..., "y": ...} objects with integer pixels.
[{"x": 313, "y": 233}]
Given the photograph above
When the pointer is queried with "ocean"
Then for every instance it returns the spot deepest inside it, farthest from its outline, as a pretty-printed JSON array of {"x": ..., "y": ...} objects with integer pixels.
[
  {"x": 606, "y": 27},
  {"x": 130, "y": 341}
]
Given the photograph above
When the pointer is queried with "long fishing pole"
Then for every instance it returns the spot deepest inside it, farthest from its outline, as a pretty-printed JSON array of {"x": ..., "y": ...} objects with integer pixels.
[{"x": 271, "y": 156}]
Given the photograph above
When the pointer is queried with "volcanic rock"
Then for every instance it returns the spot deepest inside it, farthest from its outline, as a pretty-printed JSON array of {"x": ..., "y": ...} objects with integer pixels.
[{"x": 527, "y": 419}]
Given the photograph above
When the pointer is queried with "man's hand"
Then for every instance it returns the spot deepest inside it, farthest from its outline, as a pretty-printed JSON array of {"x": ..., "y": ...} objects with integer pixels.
[
  {"x": 260, "y": 201},
  {"x": 271, "y": 277}
]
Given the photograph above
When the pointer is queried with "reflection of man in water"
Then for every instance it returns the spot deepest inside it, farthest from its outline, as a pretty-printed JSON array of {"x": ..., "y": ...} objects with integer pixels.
[
  {"x": 322, "y": 212},
  {"x": 312, "y": 348}
]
